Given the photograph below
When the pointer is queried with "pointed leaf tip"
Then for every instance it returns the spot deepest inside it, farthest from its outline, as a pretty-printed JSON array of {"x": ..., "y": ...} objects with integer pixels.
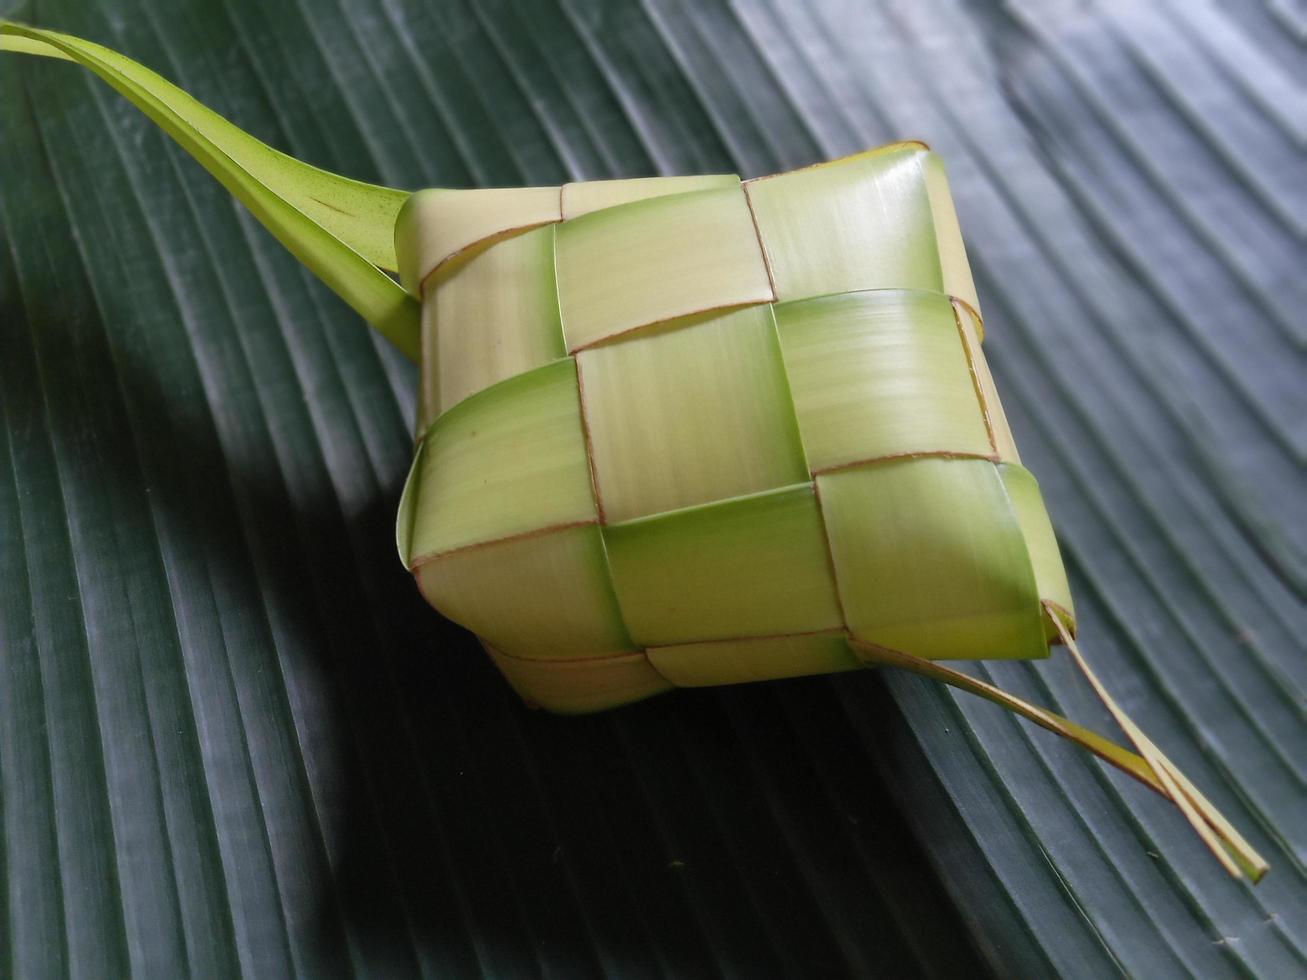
[{"x": 341, "y": 229}]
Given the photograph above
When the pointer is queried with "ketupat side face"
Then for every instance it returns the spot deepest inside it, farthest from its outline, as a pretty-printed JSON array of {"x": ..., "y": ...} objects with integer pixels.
[{"x": 687, "y": 431}]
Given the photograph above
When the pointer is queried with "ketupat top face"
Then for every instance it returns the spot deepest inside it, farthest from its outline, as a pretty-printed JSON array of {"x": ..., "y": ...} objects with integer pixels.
[{"x": 686, "y": 431}]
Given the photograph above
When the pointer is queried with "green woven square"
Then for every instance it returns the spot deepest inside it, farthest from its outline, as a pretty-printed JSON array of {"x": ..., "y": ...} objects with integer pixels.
[
  {"x": 442, "y": 224},
  {"x": 542, "y": 596},
  {"x": 1037, "y": 529},
  {"x": 754, "y": 659},
  {"x": 491, "y": 315},
  {"x": 706, "y": 573},
  {"x": 509, "y": 460},
  {"x": 596, "y": 195},
  {"x": 861, "y": 223},
  {"x": 931, "y": 560},
  {"x": 650, "y": 261},
  {"x": 689, "y": 413},
  {"x": 878, "y": 374},
  {"x": 584, "y": 685},
  {"x": 995, "y": 420}
]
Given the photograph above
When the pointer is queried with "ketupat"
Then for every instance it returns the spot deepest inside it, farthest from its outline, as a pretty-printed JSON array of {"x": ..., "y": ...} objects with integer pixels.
[
  {"x": 695, "y": 422},
  {"x": 685, "y": 431}
]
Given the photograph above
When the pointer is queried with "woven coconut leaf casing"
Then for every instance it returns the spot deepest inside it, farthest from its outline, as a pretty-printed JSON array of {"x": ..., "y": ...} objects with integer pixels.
[{"x": 685, "y": 431}]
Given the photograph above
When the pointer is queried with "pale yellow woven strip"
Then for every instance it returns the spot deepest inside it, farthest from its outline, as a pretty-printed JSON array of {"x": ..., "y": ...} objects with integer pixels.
[{"x": 975, "y": 377}]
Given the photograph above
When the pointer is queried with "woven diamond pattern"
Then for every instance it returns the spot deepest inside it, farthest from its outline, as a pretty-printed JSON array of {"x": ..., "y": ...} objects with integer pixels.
[{"x": 688, "y": 431}]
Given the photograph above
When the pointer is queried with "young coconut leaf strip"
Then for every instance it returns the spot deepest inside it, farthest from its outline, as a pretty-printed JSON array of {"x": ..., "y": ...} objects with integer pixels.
[{"x": 688, "y": 431}]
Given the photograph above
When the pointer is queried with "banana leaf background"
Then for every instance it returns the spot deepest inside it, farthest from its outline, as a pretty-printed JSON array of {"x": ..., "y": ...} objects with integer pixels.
[{"x": 234, "y": 741}]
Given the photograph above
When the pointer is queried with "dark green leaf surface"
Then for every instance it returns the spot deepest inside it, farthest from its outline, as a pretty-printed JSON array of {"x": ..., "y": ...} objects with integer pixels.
[{"x": 232, "y": 739}]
